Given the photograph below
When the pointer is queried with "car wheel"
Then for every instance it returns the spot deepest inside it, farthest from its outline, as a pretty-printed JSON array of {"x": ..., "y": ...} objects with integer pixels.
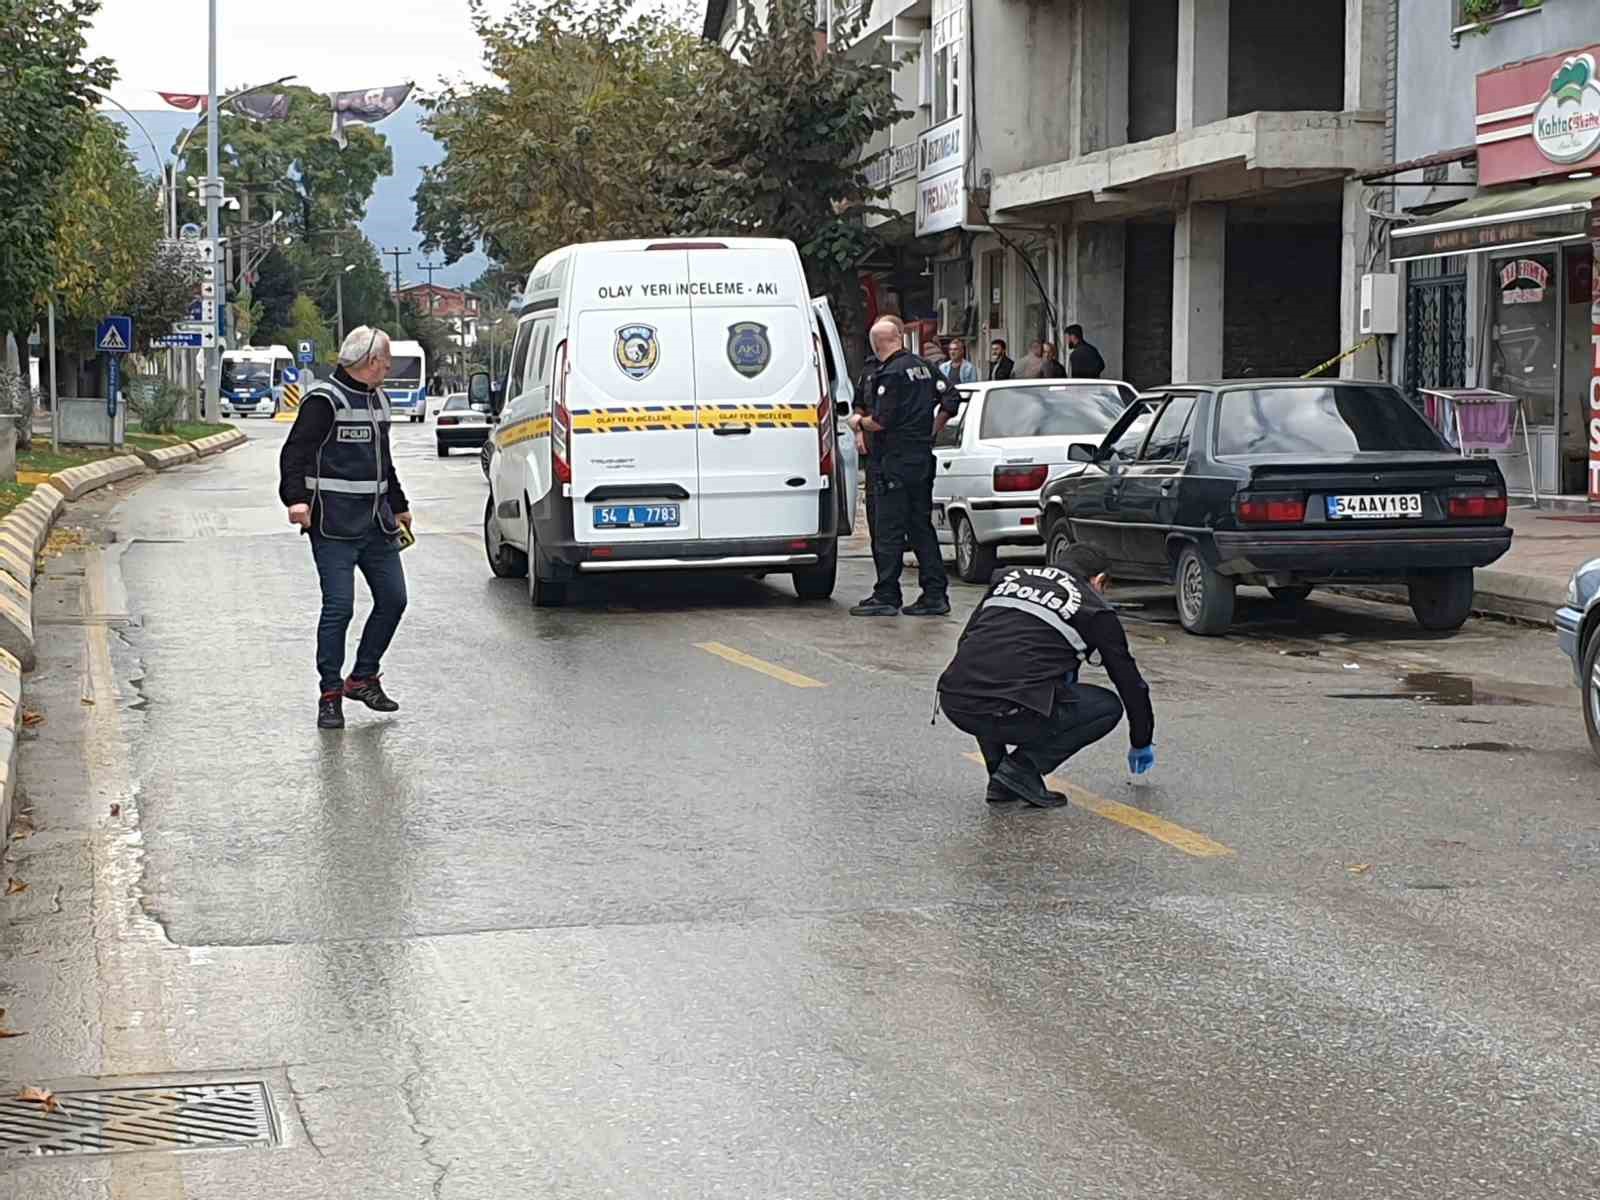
[
  {"x": 543, "y": 592},
  {"x": 1591, "y": 691},
  {"x": 817, "y": 583},
  {"x": 1442, "y": 602},
  {"x": 484, "y": 456},
  {"x": 1290, "y": 595},
  {"x": 1058, "y": 542},
  {"x": 507, "y": 562},
  {"x": 975, "y": 562},
  {"x": 1205, "y": 598}
]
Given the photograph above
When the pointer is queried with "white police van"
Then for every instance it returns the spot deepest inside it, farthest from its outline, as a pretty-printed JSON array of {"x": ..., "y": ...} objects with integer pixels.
[{"x": 670, "y": 405}]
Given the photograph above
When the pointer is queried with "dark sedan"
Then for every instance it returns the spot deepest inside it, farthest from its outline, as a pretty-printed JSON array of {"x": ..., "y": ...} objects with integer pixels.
[
  {"x": 1578, "y": 633},
  {"x": 1287, "y": 485}
]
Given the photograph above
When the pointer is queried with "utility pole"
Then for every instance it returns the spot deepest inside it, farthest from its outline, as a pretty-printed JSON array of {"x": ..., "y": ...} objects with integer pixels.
[
  {"x": 396, "y": 255},
  {"x": 213, "y": 195}
]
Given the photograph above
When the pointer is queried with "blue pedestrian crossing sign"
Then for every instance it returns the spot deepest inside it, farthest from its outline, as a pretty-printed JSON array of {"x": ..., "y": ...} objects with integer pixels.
[
  {"x": 114, "y": 335},
  {"x": 305, "y": 354}
]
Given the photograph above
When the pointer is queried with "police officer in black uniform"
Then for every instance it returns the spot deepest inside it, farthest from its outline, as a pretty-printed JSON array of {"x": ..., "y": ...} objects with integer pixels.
[
  {"x": 1014, "y": 678},
  {"x": 903, "y": 396}
]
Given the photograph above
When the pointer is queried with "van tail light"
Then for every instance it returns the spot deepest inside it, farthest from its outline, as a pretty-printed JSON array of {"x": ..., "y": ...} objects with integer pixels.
[
  {"x": 825, "y": 430},
  {"x": 1020, "y": 479},
  {"x": 561, "y": 421},
  {"x": 1272, "y": 510},
  {"x": 1478, "y": 504}
]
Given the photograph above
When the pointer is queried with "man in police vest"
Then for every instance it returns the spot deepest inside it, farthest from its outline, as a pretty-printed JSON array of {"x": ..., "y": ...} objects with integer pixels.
[
  {"x": 337, "y": 478},
  {"x": 1014, "y": 679},
  {"x": 903, "y": 396}
]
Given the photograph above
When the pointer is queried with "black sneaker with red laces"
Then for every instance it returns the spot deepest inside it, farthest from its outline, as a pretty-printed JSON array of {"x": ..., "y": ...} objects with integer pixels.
[
  {"x": 330, "y": 711},
  {"x": 370, "y": 692}
]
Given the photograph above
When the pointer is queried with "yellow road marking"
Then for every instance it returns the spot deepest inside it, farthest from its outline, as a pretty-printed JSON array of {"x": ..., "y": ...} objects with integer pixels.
[
  {"x": 740, "y": 658},
  {"x": 1163, "y": 830}
]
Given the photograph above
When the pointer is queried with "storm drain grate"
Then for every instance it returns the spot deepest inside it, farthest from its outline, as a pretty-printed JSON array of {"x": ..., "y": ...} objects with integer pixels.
[{"x": 115, "y": 1120}]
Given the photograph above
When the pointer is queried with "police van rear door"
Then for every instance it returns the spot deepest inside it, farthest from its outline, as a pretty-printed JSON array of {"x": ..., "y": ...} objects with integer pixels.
[
  {"x": 759, "y": 385},
  {"x": 629, "y": 398}
]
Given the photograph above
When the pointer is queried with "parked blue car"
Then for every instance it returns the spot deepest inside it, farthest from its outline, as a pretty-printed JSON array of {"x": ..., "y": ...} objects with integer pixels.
[{"x": 1578, "y": 633}]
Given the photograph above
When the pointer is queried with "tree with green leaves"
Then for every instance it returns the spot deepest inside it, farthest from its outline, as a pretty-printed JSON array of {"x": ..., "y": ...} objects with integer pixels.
[
  {"x": 569, "y": 143},
  {"x": 296, "y": 166},
  {"x": 47, "y": 92},
  {"x": 437, "y": 338},
  {"x": 306, "y": 324},
  {"x": 776, "y": 146}
]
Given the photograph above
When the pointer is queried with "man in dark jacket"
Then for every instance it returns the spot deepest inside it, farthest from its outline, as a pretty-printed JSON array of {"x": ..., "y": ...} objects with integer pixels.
[
  {"x": 337, "y": 479},
  {"x": 904, "y": 396},
  {"x": 1000, "y": 363},
  {"x": 1014, "y": 678},
  {"x": 1083, "y": 360}
]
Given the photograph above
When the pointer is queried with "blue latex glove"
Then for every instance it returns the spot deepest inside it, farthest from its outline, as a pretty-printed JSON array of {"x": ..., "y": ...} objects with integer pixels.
[{"x": 1141, "y": 760}]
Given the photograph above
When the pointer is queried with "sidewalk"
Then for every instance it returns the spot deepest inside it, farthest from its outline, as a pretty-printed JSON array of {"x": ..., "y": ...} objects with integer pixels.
[{"x": 1531, "y": 580}]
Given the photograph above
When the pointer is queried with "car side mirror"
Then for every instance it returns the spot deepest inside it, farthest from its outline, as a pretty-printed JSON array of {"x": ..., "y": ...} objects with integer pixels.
[
  {"x": 478, "y": 390},
  {"x": 841, "y": 408},
  {"x": 1079, "y": 453}
]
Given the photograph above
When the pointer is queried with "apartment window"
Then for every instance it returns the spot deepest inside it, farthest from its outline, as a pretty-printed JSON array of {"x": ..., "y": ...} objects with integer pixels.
[
  {"x": 949, "y": 37},
  {"x": 1479, "y": 14}
]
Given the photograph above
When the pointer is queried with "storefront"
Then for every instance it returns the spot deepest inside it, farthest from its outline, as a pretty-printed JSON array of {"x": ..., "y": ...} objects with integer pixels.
[{"x": 1524, "y": 250}]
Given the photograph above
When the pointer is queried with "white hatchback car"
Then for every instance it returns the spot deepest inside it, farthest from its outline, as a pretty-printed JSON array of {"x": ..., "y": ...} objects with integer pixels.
[{"x": 992, "y": 458}]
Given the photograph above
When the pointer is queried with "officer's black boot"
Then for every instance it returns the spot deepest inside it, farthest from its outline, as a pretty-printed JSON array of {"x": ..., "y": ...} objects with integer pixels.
[
  {"x": 928, "y": 606},
  {"x": 873, "y": 607},
  {"x": 330, "y": 711},
  {"x": 1016, "y": 776}
]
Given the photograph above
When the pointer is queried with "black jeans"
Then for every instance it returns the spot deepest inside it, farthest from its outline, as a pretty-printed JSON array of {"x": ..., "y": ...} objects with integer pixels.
[
  {"x": 904, "y": 516},
  {"x": 1083, "y": 715},
  {"x": 378, "y": 557}
]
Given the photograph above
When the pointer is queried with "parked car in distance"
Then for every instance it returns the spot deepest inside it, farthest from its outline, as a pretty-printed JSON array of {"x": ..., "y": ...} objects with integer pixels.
[
  {"x": 435, "y": 403},
  {"x": 995, "y": 454},
  {"x": 459, "y": 423},
  {"x": 1578, "y": 634},
  {"x": 1285, "y": 484}
]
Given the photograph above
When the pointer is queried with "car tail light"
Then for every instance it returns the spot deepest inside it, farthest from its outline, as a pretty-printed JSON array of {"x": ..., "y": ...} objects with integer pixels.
[
  {"x": 1272, "y": 510},
  {"x": 825, "y": 429},
  {"x": 1478, "y": 505},
  {"x": 444, "y": 420},
  {"x": 1020, "y": 479},
  {"x": 561, "y": 421}
]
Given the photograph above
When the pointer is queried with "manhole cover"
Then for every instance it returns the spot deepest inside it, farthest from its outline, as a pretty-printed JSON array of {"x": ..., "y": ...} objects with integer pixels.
[{"x": 113, "y": 1120}]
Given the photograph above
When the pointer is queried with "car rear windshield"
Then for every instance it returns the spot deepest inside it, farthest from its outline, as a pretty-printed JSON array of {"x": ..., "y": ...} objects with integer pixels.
[
  {"x": 455, "y": 404},
  {"x": 1051, "y": 410},
  {"x": 1326, "y": 420}
]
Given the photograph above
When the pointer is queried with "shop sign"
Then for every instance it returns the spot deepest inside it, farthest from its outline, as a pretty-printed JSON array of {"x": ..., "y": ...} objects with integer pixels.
[
  {"x": 1519, "y": 271},
  {"x": 940, "y": 148},
  {"x": 1540, "y": 117},
  {"x": 893, "y": 166},
  {"x": 1517, "y": 231},
  {"x": 941, "y": 202}
]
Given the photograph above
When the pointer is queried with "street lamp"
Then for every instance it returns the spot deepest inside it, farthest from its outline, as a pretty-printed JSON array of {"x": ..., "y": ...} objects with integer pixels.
[{"x": 338, "y": 294}]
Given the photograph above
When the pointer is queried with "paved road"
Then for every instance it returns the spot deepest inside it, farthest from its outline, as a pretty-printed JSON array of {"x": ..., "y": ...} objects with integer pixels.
[{"x": 677, "y": 893}]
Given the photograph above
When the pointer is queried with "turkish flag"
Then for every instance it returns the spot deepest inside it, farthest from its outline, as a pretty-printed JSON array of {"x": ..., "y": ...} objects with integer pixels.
[{"x": 184, "y": 100}]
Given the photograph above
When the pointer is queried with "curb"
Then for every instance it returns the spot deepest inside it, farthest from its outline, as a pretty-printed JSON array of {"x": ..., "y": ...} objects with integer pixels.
[
  {"x": 75, "y": 481},
  {"x": 1532, "y": 599},
  {"x": 218, "y": 442},
  {"x": 167, "y": 456},
  {"x": 10, "y": 727}
]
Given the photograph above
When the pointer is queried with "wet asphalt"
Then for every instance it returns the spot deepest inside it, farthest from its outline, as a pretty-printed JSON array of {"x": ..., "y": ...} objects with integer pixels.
[{"x": 605, "y": 913}]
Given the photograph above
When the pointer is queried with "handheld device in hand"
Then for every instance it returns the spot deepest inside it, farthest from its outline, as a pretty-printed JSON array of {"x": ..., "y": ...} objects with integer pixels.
[{"x": 407, "y": 538}]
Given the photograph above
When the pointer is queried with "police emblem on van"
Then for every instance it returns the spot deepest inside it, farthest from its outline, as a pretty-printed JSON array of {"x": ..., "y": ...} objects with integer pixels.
[
  {"x": 749, "y": 348},
  {"x": 636, "y": 350}
]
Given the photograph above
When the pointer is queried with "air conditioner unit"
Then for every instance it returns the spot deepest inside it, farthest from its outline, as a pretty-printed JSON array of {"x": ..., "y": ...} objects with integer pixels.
[
  {"x": 1380, "y": 303},
  {"x": 942, "y": 307}
]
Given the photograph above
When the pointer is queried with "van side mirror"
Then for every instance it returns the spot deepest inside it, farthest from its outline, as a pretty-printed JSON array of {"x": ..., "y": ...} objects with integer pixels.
[
  {"x": 841, "y": 408},
  {"x": 1079, "y": 453},
  {"x": 478, "y": 390}
]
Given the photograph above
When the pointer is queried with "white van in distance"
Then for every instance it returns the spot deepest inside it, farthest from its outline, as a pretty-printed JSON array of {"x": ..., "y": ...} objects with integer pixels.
[{"x": 670, "y": 405}]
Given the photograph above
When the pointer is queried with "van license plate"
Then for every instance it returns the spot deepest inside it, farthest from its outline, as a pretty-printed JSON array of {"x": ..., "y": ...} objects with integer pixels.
[
  {"x": 636, "y": 516},
  {"x": 1374, "y": 508}
]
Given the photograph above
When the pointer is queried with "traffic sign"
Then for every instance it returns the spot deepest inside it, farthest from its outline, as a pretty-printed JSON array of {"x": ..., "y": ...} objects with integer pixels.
[
  {"x": 290, "y": 375},
  {"x": 181, "y": 341},
  {"x": 114, "y": 335},
  {"x": 190, "y": 232},
  {"x": 306, "y": 354},
  {"x": 202, "y": 310},
  {"x": 113, "y": 389}
]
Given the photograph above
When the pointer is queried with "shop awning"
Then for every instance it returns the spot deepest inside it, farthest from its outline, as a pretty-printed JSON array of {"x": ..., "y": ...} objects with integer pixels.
[{"x": 1536, "y": 216}]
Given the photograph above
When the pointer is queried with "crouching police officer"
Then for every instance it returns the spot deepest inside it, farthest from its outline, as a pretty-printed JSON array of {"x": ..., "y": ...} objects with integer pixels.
[
  {"x": 902, "y": 398},
  {"x": 1014, "y": 679}
]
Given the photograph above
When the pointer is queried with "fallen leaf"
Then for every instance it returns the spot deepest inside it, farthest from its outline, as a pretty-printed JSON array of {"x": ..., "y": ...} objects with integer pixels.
[
  {"x": 89, "y": 700},
  {"x": 1359, "y": 868},
  {"x": 116, "y": 810},
  {"x": 13, "y": 886},
  {"x": 40, "y": 1096},
  {"x": 30, "y": 719}
]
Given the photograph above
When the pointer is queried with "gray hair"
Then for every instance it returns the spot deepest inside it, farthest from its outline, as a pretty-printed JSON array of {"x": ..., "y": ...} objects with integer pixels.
[{"x": 362, "y": 343}]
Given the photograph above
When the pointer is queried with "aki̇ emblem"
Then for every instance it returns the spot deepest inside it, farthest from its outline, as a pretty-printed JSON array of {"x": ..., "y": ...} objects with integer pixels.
[
  {"x": 749, "y": 348},
  {"x": 637, "y": 351}
]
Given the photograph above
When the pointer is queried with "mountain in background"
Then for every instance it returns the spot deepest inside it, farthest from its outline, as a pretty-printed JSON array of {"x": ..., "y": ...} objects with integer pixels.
[{"x": 390, "y": 213}]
